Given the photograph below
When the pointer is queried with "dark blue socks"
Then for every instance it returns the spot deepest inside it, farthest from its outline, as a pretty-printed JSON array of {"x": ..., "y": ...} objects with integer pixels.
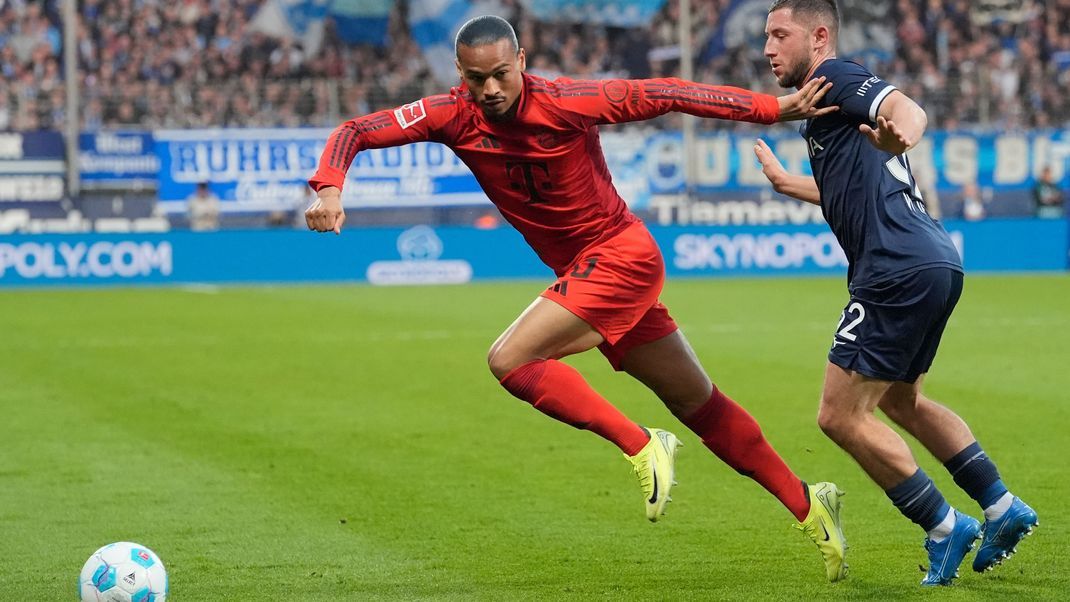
[
  {"x": 976, "y": 474},
  {"x": 920, "y": 501}
]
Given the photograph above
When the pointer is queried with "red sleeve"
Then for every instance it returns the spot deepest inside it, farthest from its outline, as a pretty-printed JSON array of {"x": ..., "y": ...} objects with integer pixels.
[
  {"x": 417, "y": 121},
  {"x": 623, "y": 100}
]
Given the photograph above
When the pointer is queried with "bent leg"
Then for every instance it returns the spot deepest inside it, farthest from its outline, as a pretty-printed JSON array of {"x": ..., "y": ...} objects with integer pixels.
[
  {"x": 524, "y": 359},
  {"x": 948, "y": 438},
  {"x": 670, "y": 368},
  {"x": 846, "y": 417},
  {"x": 544, "y": 330},
  {"x": 936, "y": 427}
]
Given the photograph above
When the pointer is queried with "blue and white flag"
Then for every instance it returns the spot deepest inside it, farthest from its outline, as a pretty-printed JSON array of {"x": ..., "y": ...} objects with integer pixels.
[
  {"x": 362, "y": 21},
  {"x": 618, "y": 13},
  {"x": 741, "y": 24},
  {"x": 300, "y": 20},
  {"x": 433, "y": 25},
  {"x": 357, "y": 21}
]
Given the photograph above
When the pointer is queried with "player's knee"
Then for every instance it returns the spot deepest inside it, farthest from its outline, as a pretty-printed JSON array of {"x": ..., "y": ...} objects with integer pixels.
[
  {"x": 683, "y": 402},
  {"x": 826, "y": 421},
  {"x": 502, "y": 360},
  {"x": 496, "y": 363},
  {"x": 836, "y": 424}
]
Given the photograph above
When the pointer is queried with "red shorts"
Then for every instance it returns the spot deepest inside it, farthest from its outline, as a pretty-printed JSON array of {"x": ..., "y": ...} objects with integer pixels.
[{"x": 614, "y": 287}]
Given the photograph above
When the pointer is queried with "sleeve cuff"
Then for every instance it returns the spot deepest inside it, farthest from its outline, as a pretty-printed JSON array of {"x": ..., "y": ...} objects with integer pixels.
[
  {"x": 317, "y": 183},
  {"x": 770, "y": 112},
  {"x": 877, "y": 100}
]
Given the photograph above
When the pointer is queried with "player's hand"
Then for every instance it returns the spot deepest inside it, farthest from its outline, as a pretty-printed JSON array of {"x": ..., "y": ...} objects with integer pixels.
[
  {"x": 772, "y": 169},
  {"x": 326, "y": 213},
  {"x": 803, "y": 104},
  {"x": 887, "y": 137}
]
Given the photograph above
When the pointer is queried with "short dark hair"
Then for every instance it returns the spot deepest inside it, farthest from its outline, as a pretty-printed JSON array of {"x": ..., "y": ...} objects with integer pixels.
[
  {"x": 484, "y": 30},
  {"x": 825, "y": 11}
]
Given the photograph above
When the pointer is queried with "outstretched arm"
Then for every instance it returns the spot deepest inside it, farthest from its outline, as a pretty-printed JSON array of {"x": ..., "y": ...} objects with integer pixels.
[
  {"x": 900, "y": 124},
  {"x": 803, "y": 188},
  {"x": 619, "y": 101},
  {"x": 415, "y": 122}
]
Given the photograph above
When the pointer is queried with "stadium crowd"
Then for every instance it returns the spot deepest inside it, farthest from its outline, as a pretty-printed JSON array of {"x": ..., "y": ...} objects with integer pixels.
[{"x": 195, "y": 63}]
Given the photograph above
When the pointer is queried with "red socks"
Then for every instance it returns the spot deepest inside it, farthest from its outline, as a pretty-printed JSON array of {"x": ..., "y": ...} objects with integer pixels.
[
  {"x": 557, "y": 390},
  {"x": 735, "y": 437}
]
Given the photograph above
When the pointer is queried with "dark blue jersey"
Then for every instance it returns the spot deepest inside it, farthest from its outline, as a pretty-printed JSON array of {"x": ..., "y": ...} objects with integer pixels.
[{"x": 868, "y": 196}]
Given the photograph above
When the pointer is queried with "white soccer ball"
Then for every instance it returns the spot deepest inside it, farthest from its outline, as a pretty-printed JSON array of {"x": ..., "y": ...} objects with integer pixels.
[{"x": 123, "y": 572}]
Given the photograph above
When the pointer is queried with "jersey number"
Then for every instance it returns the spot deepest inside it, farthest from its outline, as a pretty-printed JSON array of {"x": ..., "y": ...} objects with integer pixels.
[
  {"x": 845, "y": 332},
  {"x": 899, "y": 167},
  {"x": 576, "y": 273}
]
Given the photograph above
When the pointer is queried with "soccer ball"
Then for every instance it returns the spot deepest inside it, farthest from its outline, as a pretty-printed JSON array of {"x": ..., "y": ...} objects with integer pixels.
[{"x": 123, "y": 572}]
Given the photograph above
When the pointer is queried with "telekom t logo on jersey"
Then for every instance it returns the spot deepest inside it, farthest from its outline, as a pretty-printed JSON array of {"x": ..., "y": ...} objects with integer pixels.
[{"x": 532, "y": 176}]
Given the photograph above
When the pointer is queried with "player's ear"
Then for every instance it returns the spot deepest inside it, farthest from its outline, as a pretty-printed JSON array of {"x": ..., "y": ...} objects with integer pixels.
[
  {"x": 522, "y": 59},
  {"x": 457, "y": 63},
  {"x": 821, "y": 37}
]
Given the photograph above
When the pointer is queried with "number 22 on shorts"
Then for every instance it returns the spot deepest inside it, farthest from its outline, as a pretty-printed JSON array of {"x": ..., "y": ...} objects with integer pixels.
[{"x": 859, "y": 314}]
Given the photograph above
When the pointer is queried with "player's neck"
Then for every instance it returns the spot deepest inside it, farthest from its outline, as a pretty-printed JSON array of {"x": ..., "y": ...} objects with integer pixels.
[{"x": 818, "y": 60}]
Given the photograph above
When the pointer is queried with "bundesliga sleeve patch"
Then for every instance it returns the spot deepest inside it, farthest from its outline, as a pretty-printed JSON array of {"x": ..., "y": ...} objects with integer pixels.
[{"x": 410, "y": 114}]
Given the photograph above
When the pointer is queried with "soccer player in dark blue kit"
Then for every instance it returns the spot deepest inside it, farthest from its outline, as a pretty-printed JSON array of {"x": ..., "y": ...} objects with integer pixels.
[{"x": 904, "y": 278}]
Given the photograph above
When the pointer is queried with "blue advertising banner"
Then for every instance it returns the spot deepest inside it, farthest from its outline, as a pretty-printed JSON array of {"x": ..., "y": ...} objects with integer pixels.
[
  {"x": 998, "y": 162},
  {"x": 117, "y": 157},
  {"x": 417, "y": 255},
  {"x": 268, "y": 168},
  {"x": 424, "y": 255},
  {"x": 32, "y": 167},
  {"x": 1020, "y": 245}
]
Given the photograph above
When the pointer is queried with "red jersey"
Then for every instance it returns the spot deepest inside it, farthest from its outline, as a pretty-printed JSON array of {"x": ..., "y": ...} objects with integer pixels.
[{"x": 544, "y": 168}]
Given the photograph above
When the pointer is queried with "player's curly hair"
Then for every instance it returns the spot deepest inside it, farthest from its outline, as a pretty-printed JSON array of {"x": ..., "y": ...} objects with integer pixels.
[
  {"x": 487, "y": 29},
  {"x": 825, "y": 11}
]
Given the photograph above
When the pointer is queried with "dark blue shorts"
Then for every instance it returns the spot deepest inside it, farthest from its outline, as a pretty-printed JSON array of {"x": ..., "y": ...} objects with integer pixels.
[{"x": 891, "y": 330}]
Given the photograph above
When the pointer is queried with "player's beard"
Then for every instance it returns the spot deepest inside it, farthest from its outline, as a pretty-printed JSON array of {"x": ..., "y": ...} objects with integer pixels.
[{"x": 794, "y": 77}]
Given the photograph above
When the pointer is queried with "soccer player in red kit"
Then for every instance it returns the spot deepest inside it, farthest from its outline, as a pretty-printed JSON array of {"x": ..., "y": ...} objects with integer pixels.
[{"x": 533, "y": 146}]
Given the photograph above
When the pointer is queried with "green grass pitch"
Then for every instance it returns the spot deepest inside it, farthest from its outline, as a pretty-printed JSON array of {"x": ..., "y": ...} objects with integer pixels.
[{"x": 349, "y": 443}]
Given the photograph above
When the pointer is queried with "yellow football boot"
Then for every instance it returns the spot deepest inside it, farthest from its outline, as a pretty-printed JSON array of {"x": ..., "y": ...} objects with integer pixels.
[
  {"x": 655, "y": 467},
  {"x": 823, "y": 526}
]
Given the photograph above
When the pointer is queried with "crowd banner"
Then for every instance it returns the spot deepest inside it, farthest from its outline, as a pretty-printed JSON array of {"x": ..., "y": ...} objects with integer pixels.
[
  {"x": 998, "y": 163},
  {"x": 268, "y": 169},
  {"x": 118, "y": 159},
  {"x": 455, "y": 255},
  {"x": 32, "y": 167}
]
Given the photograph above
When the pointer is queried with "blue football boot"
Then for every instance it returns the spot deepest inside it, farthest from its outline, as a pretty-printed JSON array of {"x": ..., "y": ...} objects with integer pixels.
[
  {"x": 1003, "y": 534},
  {"x": 946, "y": 556}
]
